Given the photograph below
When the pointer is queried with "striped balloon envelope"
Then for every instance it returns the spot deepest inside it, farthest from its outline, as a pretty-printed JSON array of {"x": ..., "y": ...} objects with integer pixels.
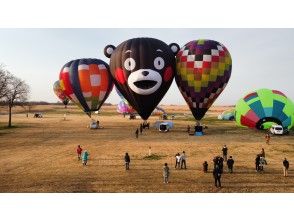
[
  {"x": 264, "y": 107},
  {"x": 86, "y": 82}
]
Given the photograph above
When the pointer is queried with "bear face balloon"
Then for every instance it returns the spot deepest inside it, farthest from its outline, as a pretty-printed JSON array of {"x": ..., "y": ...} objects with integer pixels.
[{"x": 143, "y": 70}]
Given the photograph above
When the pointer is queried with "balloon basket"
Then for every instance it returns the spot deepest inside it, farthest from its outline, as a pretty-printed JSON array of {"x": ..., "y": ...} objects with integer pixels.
[{"x": 198, "y": 134}]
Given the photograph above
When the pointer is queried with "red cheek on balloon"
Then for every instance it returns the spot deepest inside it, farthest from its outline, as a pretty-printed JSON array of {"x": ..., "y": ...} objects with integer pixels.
[
  {"x": 120, "y": 76},
  {"x": 168, "y": 74}
]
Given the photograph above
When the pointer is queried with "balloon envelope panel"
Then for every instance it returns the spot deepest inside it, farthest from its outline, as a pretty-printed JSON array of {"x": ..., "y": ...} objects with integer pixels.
[
  {"x": 262, "y": 108},
  {"x": 203, "y": 71},
  {"x": 86, "y": 82}
]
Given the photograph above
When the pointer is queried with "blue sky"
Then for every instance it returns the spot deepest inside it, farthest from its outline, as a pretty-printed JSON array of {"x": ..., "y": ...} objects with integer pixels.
[{"x": 262, "y": 58}]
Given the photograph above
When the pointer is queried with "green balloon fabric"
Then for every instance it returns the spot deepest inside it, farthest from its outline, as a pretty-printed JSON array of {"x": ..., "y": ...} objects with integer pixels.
[{"x": 264, "y": 107}]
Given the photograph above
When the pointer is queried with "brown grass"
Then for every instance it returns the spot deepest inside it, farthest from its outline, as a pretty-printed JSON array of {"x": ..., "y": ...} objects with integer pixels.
[{"x": 38, "y": 155}]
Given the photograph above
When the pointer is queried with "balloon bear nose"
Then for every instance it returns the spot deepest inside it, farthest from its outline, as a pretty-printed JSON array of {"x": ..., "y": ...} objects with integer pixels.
[{"x": 145, "y": 73}]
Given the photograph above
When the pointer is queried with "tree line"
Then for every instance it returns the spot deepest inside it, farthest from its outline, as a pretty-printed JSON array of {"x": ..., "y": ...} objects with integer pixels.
[{"x": 13, "y": 91}]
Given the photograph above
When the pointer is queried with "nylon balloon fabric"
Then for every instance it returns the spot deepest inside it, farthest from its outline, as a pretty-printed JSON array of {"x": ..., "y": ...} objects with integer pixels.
[
  {"x": 87, "y": 82},
  {"x": 60, "y": 93},
  {"x": 264, "y": 106},
  {"x": 143, "y": 70},
  {"x": 203, "y": 71}
]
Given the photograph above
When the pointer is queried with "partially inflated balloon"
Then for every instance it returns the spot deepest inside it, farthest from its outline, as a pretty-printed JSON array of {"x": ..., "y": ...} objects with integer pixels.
[
  {"x": 143, "y": 70},
  {"x": 86, "y": 82},
  {"x": 124, "y": 108},
  {"x": 259, "y": 109},
  {"x": 60, "y": 93},
  {"x": 203, "y": 71}
]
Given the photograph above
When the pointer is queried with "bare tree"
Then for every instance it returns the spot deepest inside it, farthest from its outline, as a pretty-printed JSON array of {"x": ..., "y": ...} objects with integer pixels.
[
  {"x": 5, "y": 77},
  {"x": 17, "y": 93}
]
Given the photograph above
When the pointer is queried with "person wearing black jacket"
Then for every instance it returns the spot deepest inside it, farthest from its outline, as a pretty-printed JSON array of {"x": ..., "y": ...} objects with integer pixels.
[
  {"x": 127, "y": 161},
  {"x": 225, "y": 152},
  {"x": 217, "y": 176},
  {"x": 257, "y": 161},
  {"x": 230, "y": 163},
  {"x": 286, "y": 167}
]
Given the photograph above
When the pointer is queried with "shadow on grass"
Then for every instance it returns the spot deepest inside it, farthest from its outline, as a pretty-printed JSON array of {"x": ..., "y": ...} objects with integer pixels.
[{"x": 154, "y": 157}]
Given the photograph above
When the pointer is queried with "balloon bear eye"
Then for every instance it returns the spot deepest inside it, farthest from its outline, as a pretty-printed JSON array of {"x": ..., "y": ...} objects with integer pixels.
[
  {"x": 158, "y": 63},
  {"x": 130, "y": 64}
]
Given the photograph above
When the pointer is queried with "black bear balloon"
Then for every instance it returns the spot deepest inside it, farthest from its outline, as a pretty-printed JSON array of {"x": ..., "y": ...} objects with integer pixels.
[{"x": 143, "y": 70}]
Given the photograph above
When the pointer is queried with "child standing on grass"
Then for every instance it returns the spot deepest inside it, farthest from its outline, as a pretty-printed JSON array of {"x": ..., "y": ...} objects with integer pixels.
[
  {"x": 286, "y": 167},
  {"x": 85, "y": 157},
  {"x": 79, "y": 152},
  {"x": 205, "y": 167},
  {"x": 127, "y": 161},
  {"x": 165, "y": 173}
]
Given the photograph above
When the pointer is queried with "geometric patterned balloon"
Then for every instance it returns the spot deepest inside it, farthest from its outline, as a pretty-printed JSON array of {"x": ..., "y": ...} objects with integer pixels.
[
  {"x": 261, "y": 108},
  {"x": 203, "y": 71},
  {"x": 87, "y": 82}
]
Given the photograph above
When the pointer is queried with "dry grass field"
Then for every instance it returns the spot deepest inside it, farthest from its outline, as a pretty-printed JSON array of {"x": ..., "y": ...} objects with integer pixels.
[{"x": 39, "y": 154}]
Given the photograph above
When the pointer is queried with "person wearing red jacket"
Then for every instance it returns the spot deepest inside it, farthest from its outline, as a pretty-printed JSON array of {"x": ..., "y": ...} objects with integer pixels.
[{"x": 79, "y": 152}]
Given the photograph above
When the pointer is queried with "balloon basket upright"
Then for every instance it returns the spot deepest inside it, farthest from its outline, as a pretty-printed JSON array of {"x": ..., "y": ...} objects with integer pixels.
[{"x": 198, "y": 133}]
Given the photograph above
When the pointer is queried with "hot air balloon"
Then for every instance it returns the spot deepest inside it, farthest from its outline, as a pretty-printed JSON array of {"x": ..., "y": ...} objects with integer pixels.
[
  {"x": 143, "y": 70},
  {"x": 203, "y": 71},
  {"x": 86, "y": 82},
  {"x": 124, "y": 108},
  {"x": 264, "y": 107},
  {"x": 60, "y": 93}
]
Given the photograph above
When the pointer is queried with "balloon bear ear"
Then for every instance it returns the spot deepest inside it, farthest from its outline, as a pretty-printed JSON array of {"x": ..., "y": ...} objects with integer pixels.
[
  {"x": 108, "y": 50},
  {"x": 174, "y": 47}
]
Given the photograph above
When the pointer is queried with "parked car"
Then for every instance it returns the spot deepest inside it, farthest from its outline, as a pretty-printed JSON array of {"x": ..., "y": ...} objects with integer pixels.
[
  {"x": 277, "y": 129},
  {"x": 38, "y": 115}
]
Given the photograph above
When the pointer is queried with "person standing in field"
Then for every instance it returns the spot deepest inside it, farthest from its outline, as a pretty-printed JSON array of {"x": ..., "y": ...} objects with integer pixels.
[
  {"x": 127, "y": 161},
  {"x": 79, "y": 152},
  {"x": 165, "y": 173},
  {"x": 230, "y": 163},
  {"x": 286, "y": 167},
  {"x": 267, "y": 138},
  {"x": 215, "y": 161},
  {"x": 225, "y": 152},
  {"x": 205, "y": 167},
  {"x": 178, "y": 160},
  {"x": 257, "y": 162},
  {"x": 217, "y": 176},
  {"x": 183, "y": 160},
  {"x": 262, "y": 163},
  {"x": 137, "y": 133},
  {"x": 85, "y": 157}
]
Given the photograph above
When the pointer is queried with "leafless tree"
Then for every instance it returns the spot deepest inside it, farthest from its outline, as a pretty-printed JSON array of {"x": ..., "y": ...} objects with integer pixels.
[
  {"x": 17, "y": 92},
  {"x": 5, "y": 77}
]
